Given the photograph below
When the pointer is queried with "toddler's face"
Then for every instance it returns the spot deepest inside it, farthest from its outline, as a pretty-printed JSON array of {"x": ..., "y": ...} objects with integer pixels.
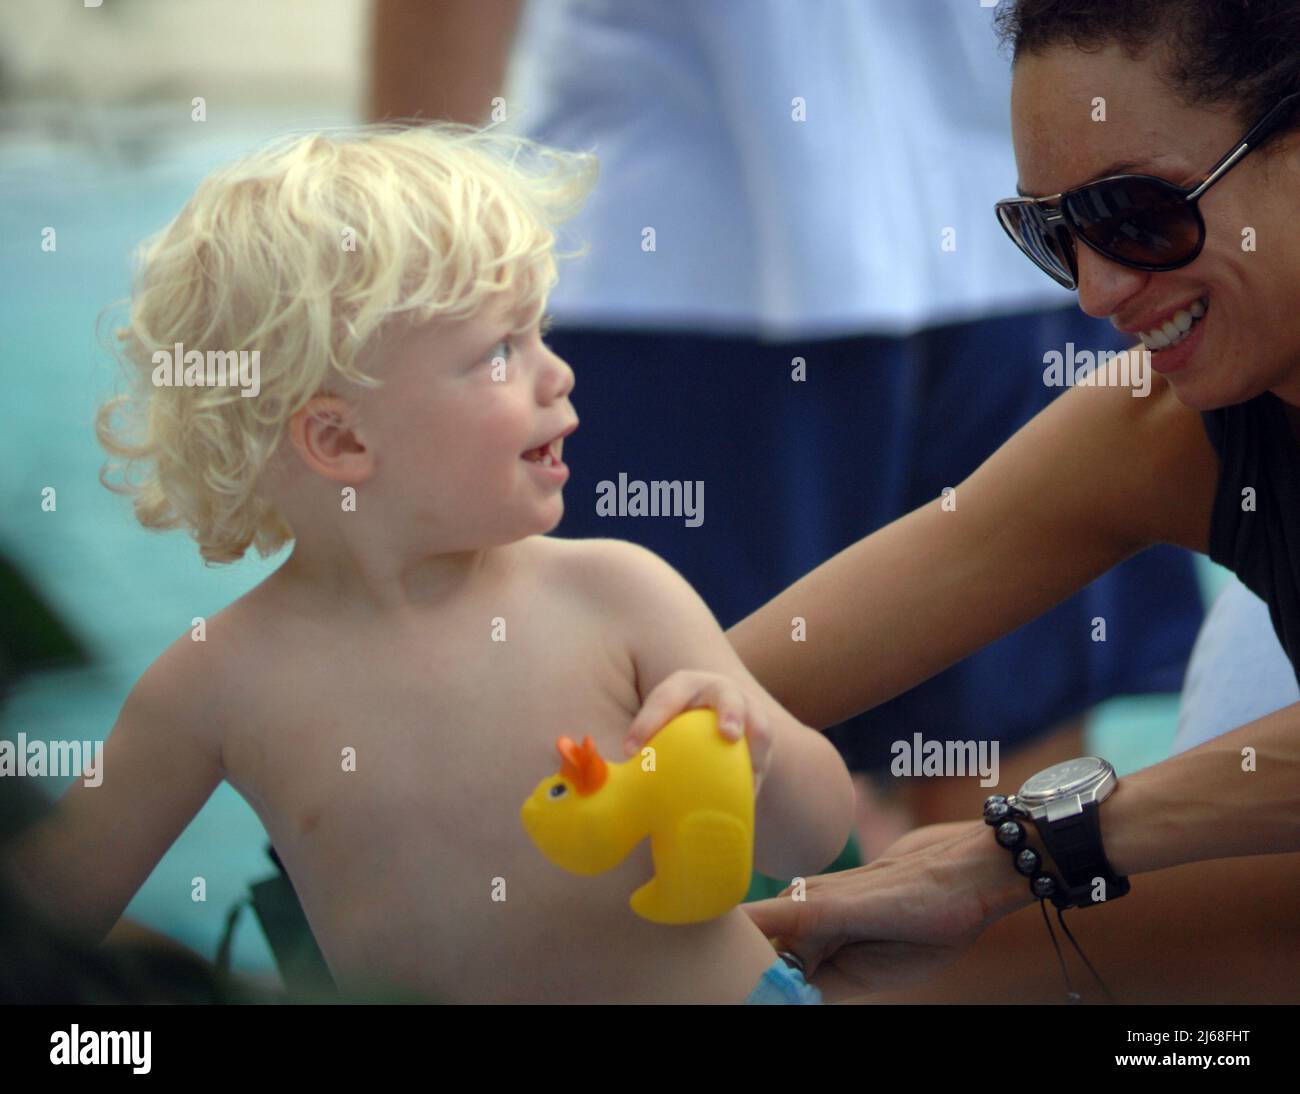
[{"x": 469, "y": 426}]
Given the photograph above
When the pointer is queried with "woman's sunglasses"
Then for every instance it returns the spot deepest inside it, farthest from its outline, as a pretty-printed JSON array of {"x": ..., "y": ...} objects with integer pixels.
[{"x": 1140, "y": 221}]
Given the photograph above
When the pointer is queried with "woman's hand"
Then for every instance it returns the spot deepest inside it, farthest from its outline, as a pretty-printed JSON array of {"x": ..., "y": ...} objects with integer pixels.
[
  {"x": 903, "y": 917},
  {"x": 740, "y": 714},
  {"x": 926, "y": 836}
]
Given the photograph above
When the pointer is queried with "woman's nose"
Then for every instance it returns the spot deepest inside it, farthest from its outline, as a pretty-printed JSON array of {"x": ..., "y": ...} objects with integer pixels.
[{"x": 1104, "y": 285}]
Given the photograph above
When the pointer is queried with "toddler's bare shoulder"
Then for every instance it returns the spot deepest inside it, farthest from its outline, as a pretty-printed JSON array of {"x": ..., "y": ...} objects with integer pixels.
[
  {"x": 204, "y": 674},
  {"x": 608, "y": 568},
  {"x": 172, "y": 700}
]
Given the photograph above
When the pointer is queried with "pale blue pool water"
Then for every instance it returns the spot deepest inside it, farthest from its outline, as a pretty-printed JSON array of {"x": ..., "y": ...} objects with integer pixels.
[
  {"x": 130, "y": 593},
  {"x": 127, "y": 592}
]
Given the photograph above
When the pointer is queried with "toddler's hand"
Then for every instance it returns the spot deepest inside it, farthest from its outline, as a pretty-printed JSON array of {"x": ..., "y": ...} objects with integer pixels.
[{"x": 739, "y": 714}]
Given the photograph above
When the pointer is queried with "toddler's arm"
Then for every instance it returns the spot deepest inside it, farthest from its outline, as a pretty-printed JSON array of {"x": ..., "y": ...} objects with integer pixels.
[
  {"x": 82, "y": 862},
  {"x": 804, "y": 809}
]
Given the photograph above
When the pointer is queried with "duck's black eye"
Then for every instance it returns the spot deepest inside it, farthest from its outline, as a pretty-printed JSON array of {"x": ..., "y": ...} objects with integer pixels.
[{"x": 559, "y": 790}]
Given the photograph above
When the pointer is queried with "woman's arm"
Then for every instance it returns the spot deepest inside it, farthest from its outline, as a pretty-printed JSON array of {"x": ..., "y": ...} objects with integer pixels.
[
  {"x": 1092, "y": 479},
  {"x": 895, "y": 921},
  {"x": 1235, "y": 795},
  {"x": 1238, "y": 794},
  {"x": 1206, "y": 932}
]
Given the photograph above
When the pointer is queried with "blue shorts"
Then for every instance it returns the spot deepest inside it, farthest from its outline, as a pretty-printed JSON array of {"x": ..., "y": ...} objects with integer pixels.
[
  {"x": 783, "y": 985},
  {"x": 794, "y": 472}
]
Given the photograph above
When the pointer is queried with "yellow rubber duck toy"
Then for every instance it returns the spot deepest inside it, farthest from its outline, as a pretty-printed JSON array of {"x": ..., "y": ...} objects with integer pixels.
[{"x": 691, "y": 790}]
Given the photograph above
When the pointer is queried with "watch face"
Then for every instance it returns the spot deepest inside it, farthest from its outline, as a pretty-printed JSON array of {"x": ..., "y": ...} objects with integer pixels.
[{"x": 1063, "y": 778}]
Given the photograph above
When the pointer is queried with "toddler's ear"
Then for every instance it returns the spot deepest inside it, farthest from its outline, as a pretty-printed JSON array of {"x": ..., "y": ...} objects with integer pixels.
[{"x": 324, "y": 434}]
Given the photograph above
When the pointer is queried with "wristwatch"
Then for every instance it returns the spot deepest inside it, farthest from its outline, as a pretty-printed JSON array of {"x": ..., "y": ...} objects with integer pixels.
[{"x": 1064, "y": 803}]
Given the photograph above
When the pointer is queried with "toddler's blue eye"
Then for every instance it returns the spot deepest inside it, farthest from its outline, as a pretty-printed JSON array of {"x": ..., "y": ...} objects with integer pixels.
[{"x": 501, "y": 351}]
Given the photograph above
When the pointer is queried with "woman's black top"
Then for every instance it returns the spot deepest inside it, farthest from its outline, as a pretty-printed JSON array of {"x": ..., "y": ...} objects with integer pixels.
[{"x": 1255, "y": 528}]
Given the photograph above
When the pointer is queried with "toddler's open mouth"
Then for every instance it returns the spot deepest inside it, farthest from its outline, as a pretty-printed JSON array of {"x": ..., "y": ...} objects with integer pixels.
[{"x": 548, "y": 454}]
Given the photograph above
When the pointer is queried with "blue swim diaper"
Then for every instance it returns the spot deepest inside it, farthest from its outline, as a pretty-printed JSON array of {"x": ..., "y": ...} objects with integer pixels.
[{"x": 782, "y": 984}]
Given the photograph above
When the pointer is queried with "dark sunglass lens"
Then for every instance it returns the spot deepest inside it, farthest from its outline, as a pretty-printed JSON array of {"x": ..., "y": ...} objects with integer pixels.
[
  {"x": 1032, "y": 237},
  {"x": 1135, "y": 220}
]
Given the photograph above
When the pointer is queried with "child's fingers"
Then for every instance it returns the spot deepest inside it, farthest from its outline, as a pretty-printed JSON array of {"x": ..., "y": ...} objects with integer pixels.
[
  {"x": 729, "y": 702},
  {"x": 686, "y": 691},
  {"x": 670, "y": 698},
  {"x": 760, "y": 738}
]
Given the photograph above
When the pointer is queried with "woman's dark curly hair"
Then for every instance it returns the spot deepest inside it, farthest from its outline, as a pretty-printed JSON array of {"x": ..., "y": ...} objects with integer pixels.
[{"x": 1242, "y": 52}]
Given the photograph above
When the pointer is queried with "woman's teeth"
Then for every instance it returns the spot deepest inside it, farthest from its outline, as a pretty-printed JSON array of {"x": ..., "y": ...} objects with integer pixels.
[{"x": 1175, "y": 329}]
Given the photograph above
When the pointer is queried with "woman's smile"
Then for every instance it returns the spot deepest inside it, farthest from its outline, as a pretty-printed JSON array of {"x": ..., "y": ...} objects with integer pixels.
[{"x": 1168, "y": 359}]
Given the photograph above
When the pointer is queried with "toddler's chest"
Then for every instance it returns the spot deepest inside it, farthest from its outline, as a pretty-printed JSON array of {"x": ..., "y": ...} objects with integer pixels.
[{"x": 401, "y": 737}]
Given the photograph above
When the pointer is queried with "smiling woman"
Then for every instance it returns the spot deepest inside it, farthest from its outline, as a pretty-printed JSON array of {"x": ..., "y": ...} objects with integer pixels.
[
  {"x": 1214, "y": 100},
  {"x": 1205, "y": 273}
]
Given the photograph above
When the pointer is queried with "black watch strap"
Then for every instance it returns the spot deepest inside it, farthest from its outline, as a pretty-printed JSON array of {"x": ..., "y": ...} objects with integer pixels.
[{"x": 1074, "y": 843}]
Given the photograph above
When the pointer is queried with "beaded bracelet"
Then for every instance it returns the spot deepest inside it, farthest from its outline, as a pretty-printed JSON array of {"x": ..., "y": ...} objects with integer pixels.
[
  {"x": 1000, "y": 814},
  {"x": 1004, "y": 815}
]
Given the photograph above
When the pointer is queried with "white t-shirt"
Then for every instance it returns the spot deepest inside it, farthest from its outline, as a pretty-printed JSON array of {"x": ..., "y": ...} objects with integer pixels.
[
  {"x": 873, "y": 214},
  {"x": 1238, "y": 671}
]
